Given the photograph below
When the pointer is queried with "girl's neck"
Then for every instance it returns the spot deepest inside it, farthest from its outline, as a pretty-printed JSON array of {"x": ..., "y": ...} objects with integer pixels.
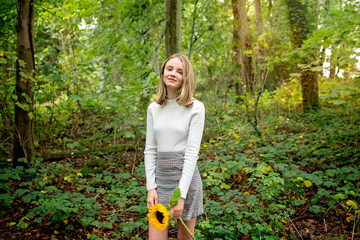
[{"x": 172, "y": 94}]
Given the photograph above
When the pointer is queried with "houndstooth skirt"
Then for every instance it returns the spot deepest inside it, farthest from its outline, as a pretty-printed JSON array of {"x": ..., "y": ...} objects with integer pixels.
[{"x": 168, "y": 172}]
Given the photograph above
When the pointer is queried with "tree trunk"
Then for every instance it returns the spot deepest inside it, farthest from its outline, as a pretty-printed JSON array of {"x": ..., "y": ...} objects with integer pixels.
[
  {"x": 258, "y": 17},
  {"x": 193, "y": 29},
  {"x": 260, "y": 67},
  {"x": 237, "y": 46},
  {"x": 242, "y": 61},
  {"x": 301, "y": 27},
  {"x": 310, "y": 91},
  {"x": 270, "y": 14},
  {"x": 333, "y": 63},
  {"x": 25, "y": 72},
  {"x": 173, "y": 27}
]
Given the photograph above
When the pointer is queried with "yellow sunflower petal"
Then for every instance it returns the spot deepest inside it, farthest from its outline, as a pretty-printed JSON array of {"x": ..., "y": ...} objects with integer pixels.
[{"x": 159, "y": 217}]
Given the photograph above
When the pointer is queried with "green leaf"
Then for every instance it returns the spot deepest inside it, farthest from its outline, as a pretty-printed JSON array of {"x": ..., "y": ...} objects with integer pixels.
[
  {"x": 339, "y": 196},
  {"x": 316, "y": 209},
  {"x": 22, "y": 224},
  {"x": 20, "y": 192},
  {"x": 108, "y": 225},
  {"x": 299, "y": 202},
  {"x": 295, "y": 75},
  {"x": 108, "y": 179},
  {"x": 316, "y": 69},
  {"x": 175, "y": 196},
  {"x": 86, "y": 221},
  {"x": 5, "y": 199}
]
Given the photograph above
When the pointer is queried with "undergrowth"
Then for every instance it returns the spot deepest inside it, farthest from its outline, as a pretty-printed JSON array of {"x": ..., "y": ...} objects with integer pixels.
[{"x": 302, "y": 167}]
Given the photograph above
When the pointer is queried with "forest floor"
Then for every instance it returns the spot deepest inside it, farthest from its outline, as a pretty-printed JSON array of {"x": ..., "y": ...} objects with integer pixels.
[
  {"x": 300, "y": 180},
  {"x": 308, "y": 225}
]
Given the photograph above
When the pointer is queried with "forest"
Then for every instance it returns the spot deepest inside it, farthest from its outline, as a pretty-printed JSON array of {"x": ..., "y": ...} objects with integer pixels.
[{"x": 280, "y": 81}]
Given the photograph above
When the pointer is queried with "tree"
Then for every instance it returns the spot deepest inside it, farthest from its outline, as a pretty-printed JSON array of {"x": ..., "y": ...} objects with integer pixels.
[
  {"x": 25, "y": 72},
  {"x": 173, "y": 27},
  {"x": 258, "y": 17},
  {"x": 301, "y": 27},
  {"x": 242, "y": 60},
  {"x": 8, "y": 20},
  {"x": 193, "y": 29},
  {"x": 259, "y": 63}
]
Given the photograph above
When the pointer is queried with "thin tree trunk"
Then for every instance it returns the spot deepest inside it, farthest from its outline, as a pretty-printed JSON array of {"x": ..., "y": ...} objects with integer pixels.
[
  {"x": 324, "y": 14},
  {"x": 237, "y": 46},
  {"x": 193, "y": 29},
  {"x": 242, "y": 61},
  {"x": 258, "y": 16},
  {"x": 333, "y": 63},
  {"x": 259, "y": 60},
  {"x": 25, "y": 71},
  {"x": 270, "y": 14},
  {"x": 301, "y": 28},
  {"x": 173, "y": 27}
]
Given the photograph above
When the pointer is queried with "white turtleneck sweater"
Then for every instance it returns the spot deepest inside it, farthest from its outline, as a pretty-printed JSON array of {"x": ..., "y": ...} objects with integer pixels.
[{"x": 172, "y": 127}]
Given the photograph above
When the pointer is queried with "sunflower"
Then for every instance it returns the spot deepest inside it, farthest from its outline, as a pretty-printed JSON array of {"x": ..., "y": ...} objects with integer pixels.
[{"x": 158, "y": 216}]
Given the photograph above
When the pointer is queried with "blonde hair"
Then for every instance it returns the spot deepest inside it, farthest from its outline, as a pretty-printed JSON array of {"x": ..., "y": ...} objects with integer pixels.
[{"x": 185, "y": 96}]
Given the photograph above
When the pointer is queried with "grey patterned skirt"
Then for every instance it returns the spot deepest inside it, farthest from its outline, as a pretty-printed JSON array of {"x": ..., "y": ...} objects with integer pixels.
[{"x": 168, "y": 172}]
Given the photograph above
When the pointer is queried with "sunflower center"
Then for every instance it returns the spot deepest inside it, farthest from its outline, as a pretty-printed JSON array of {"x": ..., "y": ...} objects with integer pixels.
[{"x": 159, "y": 216}]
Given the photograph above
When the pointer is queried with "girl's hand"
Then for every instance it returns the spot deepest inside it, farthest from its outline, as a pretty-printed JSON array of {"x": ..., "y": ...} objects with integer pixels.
[
  {"x": 178, "y": 209},
  {"x": 152, "y": 198}
]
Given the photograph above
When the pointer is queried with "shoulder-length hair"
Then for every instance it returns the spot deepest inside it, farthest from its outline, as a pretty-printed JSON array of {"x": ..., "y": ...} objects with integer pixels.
[{"x": 185, "y": 96}]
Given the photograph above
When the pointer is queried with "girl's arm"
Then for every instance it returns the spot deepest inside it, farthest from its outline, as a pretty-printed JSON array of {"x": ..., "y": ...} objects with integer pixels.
[
  {"x": 150, "y": 152},
  {"x": 193, "y": 146}
]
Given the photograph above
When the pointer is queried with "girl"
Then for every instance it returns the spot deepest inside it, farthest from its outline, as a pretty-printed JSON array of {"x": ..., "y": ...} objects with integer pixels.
[{"x": 175, "y": 123}]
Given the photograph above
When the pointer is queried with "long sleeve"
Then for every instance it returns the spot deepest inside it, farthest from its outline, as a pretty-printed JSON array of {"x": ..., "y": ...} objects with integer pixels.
[
  {"x": 192, "y": 148},
  {"x": 150, "y": 151}
]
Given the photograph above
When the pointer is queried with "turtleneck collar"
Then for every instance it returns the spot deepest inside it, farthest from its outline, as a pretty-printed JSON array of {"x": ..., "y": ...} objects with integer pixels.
[{"x": 171, "y": 103}]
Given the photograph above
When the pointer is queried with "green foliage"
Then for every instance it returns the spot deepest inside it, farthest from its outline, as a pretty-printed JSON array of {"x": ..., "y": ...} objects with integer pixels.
[
  {"x": 8, "y": 16},
  {"x": 59, "y": 193},
  {"x": 262, "y": 163},
  {"x": 300, "y": 161},
  {"x": 253, "y": 186},
  {"x": 92, "y": 166}
]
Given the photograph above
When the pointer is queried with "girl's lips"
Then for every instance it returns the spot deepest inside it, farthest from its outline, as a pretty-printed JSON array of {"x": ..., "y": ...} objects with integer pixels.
[{"x": 171, "y": 80}]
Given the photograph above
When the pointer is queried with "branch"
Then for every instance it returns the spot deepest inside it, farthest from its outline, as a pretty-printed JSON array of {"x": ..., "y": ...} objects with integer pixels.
[{"x": 193, "y": 29}]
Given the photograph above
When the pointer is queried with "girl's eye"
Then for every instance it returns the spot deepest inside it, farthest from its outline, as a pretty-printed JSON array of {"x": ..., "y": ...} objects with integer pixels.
[{"x": 180, "y": 73}]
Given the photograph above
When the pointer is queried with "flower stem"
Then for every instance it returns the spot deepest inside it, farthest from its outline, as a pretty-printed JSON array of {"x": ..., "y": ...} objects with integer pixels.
[{"x": 187, "y": 229}]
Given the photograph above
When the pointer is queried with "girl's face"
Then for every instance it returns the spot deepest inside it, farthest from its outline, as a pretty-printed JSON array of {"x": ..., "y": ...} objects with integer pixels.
[{"x": 173, "y": 74}]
